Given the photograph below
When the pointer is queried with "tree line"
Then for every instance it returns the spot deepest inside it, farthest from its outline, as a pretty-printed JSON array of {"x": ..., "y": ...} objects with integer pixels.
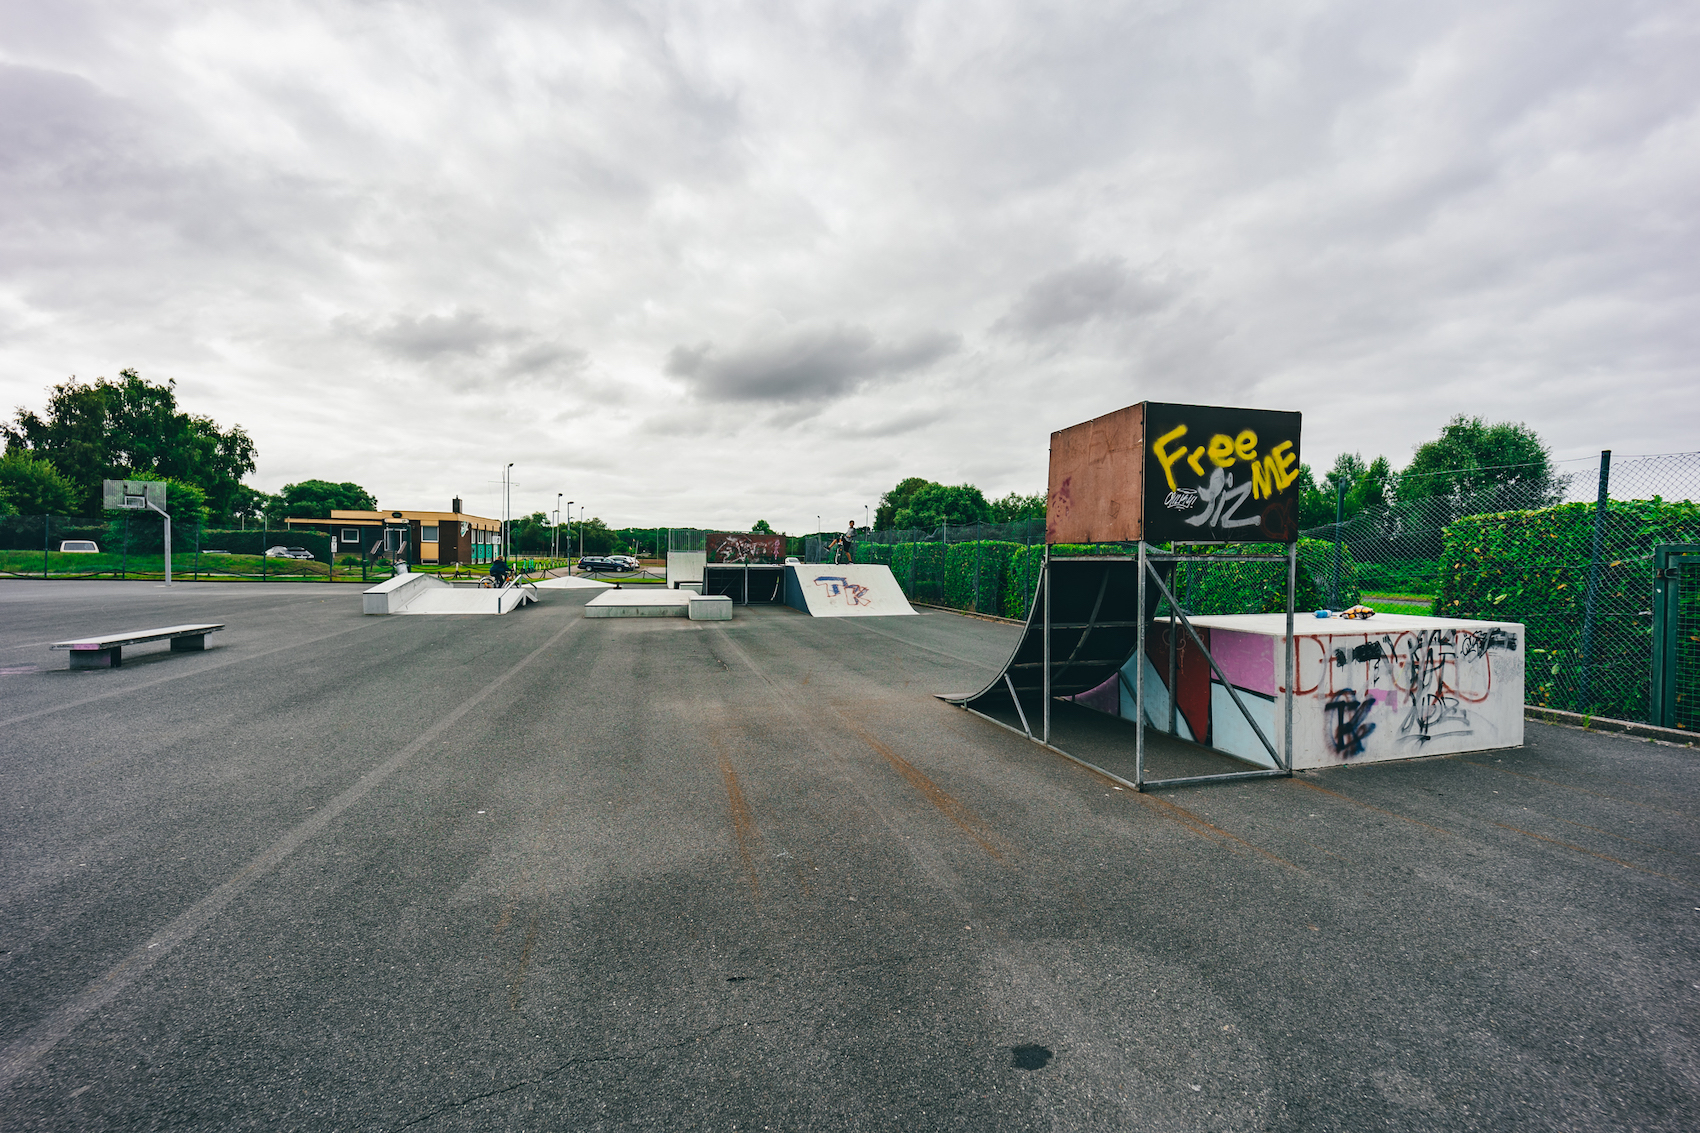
[{"x": 1468, "y": 460}]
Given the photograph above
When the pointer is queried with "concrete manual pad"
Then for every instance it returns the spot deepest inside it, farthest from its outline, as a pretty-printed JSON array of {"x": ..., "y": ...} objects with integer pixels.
[
  {"x": 640, "y": 604},
  {"x": 850, "y": 590}
]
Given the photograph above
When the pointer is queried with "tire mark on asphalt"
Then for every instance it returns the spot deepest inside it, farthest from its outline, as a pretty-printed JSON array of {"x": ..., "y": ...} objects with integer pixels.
[
  {"x": 947, "y": 804},
  {"x": 921, "y": 851},
  {"x": 743, "y": 822},
  {"x": 23, "y": 1053},
  {"x": 1370, "y": 806},
  {"x": 1592, "y": 854},
  {"x": 518, "y": 980},
  {"x": 1573, "y": 787},
  {"x": 1627, "y": 838},
  {"x": 1207, "y": 829}
]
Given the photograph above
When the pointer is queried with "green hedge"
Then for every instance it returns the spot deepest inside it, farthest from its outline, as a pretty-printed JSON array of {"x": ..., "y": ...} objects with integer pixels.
[
  {"x": 1401, "y": 576},
  {"x": 1532, "y": 567},
  {"x": 1261, "y": 588},
  {"x": 997, "y": 577}
]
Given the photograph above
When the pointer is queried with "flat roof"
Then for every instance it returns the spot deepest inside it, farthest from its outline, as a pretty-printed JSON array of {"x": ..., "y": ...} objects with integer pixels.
[{"x": 381, "y": 516}]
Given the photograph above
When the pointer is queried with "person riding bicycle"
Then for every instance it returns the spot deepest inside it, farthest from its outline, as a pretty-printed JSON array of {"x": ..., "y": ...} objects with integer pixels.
[
  {"x": 499, "y": 572},
  {"x": 844, "y": 547}
]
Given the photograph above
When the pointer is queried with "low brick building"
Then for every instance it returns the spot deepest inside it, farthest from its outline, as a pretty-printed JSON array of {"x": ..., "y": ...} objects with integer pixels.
[{"x": 449, "y": 537}]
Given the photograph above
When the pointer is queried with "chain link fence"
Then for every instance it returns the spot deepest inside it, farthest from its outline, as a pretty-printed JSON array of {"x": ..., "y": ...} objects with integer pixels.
[
  {"x": 132, "y": 545},
  {"x": 1571, "y": 559},
  {"x": 1569, "y": 556}
]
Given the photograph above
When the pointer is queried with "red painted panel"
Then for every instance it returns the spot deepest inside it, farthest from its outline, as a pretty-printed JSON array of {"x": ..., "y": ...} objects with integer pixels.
[{"x": 1192, "y": 674}]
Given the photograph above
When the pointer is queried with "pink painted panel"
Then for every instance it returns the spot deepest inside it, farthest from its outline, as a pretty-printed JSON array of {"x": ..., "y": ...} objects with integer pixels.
[{"x": 1247, "y": 659}]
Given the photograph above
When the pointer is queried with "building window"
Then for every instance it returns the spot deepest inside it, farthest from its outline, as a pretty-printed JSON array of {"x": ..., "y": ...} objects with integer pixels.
[
  {"x": 428, "y": 533},
  {"x": 351, "y": 535}
]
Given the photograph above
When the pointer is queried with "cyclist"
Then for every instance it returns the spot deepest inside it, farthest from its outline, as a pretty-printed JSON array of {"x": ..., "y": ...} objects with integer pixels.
[
  {"x": 844, "y": 547},
  {"x": 499, "y": 572}
]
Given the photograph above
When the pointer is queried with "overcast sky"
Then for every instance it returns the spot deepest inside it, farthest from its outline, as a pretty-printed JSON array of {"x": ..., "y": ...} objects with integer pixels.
[{"x": 712, "y": 263}]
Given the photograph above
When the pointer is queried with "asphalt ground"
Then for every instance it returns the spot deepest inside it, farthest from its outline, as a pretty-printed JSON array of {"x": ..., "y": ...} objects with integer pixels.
[{"x": 544, "y": 872}]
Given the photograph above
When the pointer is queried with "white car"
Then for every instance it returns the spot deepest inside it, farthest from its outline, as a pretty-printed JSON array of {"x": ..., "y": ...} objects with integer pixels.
[
  {"x": 288, "y": 553},
  {"x": 79, "y": 547}
]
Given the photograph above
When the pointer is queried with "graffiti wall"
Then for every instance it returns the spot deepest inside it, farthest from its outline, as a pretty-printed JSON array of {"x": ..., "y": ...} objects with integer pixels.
[
  {"x": 736, "y": 547},
  {"x": 1176, "y": 473},
  {"x": 1220, "y": 475},
  {"x": 1392, "y": 688}
]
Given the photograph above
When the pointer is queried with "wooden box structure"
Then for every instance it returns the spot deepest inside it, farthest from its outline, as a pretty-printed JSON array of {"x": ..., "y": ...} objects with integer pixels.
[{"x": 1160, "y": 473}]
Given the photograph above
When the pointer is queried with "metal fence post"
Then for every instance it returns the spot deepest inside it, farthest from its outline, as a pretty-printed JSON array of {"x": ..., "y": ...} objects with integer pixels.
[
  {"x": 1339, "y": 518},
  {"x": 263, "y": 541},
  {"x": 1592, "y": 604},
  {"x": 124, "y": 555},
  {"x": 197, "y": 575},
  {"x": 46, "y": 528}
]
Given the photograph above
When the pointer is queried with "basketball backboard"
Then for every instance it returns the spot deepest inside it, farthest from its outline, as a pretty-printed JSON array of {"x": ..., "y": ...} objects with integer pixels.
[{"x": 135, "y": 494}]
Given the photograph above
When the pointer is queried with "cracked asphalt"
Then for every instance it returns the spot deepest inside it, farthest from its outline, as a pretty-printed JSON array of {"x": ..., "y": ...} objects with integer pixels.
[{"x": 539, "y": 872}]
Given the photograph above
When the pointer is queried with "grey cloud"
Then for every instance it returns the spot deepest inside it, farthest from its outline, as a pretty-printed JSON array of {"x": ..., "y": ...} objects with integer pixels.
[
  {"x": 803, "y": 365},
  {"x": 465, "y": 348},
  {"x": 1093, "y": 289},
  {"x": 426, "y": 337}
]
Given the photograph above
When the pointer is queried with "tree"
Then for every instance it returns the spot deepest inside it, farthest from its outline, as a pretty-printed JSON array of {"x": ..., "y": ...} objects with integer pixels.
[
  {"x": 598, "y": 540},
  {"x": 1014, "y": 506},
  {"x": 1315, "y": 508},
  {"x": 531, "y": 534},
  {"x": 935, "y": 504},
  {"x": 885, "y": 516},
  {"x": 1471, "y": 458},
  {"x": 761, "y": 528},
  {"x": 316, "y": 499},
  {"x": 30, "y": 485},
  {"x": 132, "y": 429}
]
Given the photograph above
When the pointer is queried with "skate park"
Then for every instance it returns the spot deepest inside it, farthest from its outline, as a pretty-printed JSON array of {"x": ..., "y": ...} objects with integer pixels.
[{"x": 660, "y": 870}]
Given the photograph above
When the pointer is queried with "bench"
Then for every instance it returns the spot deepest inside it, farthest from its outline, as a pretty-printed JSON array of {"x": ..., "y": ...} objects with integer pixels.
[{"x": 107, "y": 651}]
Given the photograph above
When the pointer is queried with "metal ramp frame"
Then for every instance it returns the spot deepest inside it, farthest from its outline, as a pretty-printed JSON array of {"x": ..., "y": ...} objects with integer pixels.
[{"x": 1089, "y": 617}]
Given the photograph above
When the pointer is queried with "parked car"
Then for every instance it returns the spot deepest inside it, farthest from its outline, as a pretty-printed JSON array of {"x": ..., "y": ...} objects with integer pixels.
[
  {"x": 598, "y": 564},
  {"x": 79, "y": 547},
  {"x": 627, "y": 561},
  {"x": 288, "y": 553}
]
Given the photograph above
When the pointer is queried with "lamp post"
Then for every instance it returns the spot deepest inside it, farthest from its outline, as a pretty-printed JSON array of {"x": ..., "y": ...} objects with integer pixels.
[
  {"x": 557, "y": 540},
  {"x": 507, "y": 524},
  {"x": 581, "y": 534}
]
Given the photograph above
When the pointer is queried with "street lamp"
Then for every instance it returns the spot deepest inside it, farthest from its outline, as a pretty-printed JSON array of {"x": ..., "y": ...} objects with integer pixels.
[
  {"x": 581, "y": 535},
  {"x": 556, "y": 542},
  {"x": 569, "y": 529},
  {"x": 507, "y": 525}
]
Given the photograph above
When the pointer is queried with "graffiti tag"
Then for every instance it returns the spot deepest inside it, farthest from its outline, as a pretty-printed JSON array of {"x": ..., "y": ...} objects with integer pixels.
[
  {"x": 1348, "y": 727},
  {"x": 853, "y": 593}
]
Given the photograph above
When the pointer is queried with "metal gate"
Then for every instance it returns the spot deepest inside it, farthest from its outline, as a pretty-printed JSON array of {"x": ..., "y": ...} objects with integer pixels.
[{"x": 1676, "y": 635}]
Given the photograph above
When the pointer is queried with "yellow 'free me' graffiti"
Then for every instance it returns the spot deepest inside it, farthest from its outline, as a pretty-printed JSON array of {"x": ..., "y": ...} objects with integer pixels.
[{"x": 1270, "y": 473}]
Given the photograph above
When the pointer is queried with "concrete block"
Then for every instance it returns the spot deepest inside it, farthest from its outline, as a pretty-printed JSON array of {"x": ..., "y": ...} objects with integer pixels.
[{"x": 711, "y": 608}]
